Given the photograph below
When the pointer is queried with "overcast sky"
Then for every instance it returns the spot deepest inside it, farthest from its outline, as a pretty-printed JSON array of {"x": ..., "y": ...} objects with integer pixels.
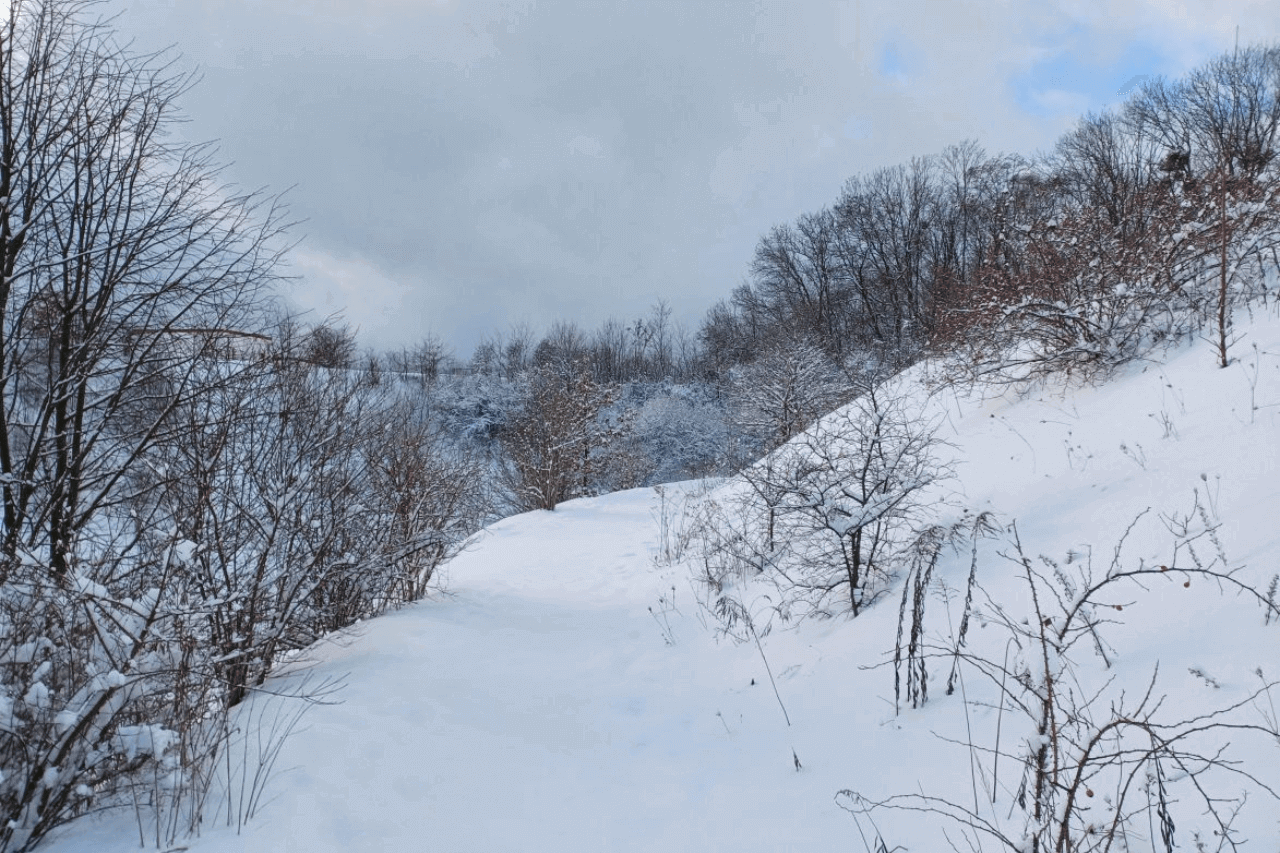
[{"x": 463, "y": 165}]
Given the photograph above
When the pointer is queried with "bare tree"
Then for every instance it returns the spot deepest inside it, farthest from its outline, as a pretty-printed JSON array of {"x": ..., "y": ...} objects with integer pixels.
[
  {"x": 563, "y": 349},
  {"x": 428, "y": 359},
  {"x": 783, "y": 391},
  {"x": 609, "y": 357},
  {"x": 124, "y": 266},
  {"x": 431, "y": 495},
  {"x": 113, "y": 242},
  {"x": 887, "y": 218},
  {"x": 795, "y": 272},
  {"x": 1224, "y": 115},
  {"x": 1220, "y": 127},
  {"x": 330, "y": 345},
  {"x": 555, "y": 446},
  {"x": 831, "y": 515},
  {"x": 726, "y": 339}
]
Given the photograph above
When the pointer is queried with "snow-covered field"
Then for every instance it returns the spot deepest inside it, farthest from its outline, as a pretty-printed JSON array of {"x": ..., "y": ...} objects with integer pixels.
[{"x": 565, "y": 692}]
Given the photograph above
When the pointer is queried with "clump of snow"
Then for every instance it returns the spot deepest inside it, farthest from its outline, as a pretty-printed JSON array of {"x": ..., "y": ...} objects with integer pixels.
[
  {"x": 37, "y": 696},
  {"x": 144, "y": 740},
  {"x": 184, "y": 550}
]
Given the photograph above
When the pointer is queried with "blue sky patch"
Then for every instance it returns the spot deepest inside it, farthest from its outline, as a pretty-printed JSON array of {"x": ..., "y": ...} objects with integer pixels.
[{"x": 1075, "y": 80}]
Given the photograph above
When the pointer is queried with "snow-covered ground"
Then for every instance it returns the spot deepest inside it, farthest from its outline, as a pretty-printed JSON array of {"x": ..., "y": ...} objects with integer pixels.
[{"x": 566, "y": 693}]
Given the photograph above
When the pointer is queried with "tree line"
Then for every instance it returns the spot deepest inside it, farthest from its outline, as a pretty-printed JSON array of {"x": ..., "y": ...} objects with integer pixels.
[
  {"x": 1139, "y": 220},
  {"x": 1140, "y": 226}
]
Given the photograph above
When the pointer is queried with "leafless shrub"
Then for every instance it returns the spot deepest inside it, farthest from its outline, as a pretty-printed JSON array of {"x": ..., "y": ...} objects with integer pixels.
[
  {"x": 270, "y": 487},
  {"x": 1082, "y": 294},
  {"x": 1105, "y": 763},
  {"x": 922, "y": 558},
  {"x": 432, "y": 494},
  {"x": 329, "y": 345},
  {"x": 827, "y": 518},
  {"x": 125, "y": 268},
  {"x": 557, "y": 445},
  {"x": 842, "y": 499},
  {"x": 782, "y": 392}
]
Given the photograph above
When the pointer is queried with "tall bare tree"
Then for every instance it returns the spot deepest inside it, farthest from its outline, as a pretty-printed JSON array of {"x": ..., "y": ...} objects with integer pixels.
[
  {"x": 124, "y": 265},
  {"x": 118, "y": 252},
  {"x": 557, "y": 442}
]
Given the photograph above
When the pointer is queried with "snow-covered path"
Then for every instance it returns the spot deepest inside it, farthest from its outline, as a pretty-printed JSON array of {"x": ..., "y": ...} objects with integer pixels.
[
  {"x": 503, "y": 718},
  {"x": 537, "y": 707}
]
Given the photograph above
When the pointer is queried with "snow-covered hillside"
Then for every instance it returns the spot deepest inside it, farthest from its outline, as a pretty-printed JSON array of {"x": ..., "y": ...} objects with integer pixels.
[{"x": 566, "y": 692}]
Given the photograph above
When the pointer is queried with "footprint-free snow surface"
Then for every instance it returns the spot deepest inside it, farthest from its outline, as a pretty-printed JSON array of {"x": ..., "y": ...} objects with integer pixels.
[{"x": 564, "y": 691}]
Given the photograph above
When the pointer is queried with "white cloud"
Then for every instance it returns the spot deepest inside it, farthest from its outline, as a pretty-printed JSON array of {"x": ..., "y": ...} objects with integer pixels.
[
  {"x": 512, "y": 160},
  {"x": 587, "y": 146},
  {"x": 1062, "y": 102},
  {"x": 351, "y": 288}
]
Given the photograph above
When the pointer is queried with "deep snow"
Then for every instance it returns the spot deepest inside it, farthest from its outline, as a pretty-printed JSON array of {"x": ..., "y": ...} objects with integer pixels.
[{"x": 535, "y": 703}]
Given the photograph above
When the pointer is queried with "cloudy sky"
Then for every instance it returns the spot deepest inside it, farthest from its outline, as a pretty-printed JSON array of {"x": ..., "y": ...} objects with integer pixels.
[{"x": 463, "y": 165}]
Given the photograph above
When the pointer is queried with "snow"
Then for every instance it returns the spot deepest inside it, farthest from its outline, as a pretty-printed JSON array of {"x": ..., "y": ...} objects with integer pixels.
[
  {"x": 145, "y": 740},
  {"x": 565, "y": 692},
  {"x": 37, "y": 695}
]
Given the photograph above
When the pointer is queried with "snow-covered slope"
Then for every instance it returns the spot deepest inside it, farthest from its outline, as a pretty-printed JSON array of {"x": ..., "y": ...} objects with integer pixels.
[{"x": 566, "y": 692}]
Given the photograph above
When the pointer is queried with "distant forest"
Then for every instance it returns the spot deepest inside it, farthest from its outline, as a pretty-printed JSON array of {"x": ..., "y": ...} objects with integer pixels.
[{"x": 1141, "y": 225}]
